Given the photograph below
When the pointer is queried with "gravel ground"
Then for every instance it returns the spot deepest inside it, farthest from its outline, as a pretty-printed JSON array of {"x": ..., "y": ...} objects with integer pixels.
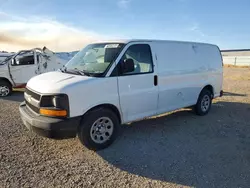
[{"x": 179, "y": 149}]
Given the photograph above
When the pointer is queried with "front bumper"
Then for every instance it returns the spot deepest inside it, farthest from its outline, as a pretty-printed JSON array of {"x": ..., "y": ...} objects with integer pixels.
[{"x": 49, "y": 127}]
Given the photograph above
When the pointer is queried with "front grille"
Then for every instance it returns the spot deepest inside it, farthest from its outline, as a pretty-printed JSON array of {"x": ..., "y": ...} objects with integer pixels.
[
  {"x": 33, "y": 108},
  {"x": 34, "y": 99},
  {"x": 33, "y": 94}
]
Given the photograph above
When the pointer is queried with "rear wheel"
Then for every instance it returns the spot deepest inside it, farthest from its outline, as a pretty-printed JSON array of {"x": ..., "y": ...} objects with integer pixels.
[
  {"x": 5, "y": 88},
  {"x": 99, "y": 129},
  {"x": 204, "y": 103}
]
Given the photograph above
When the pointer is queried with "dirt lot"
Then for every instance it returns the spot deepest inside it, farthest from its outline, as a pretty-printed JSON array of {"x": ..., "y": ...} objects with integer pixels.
[{"x": 176, "y": 150}]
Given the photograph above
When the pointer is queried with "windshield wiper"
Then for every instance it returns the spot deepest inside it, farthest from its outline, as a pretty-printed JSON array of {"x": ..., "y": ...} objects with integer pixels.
[
  {"x": 63, "y": 69},
  {"x": 80, "y": 72},
  {"x": 75, "y": 71},
  {"x": 87, "y": 73}
]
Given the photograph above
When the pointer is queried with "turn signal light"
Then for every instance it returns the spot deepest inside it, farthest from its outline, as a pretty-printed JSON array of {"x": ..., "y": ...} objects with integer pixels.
[{"x": 49, "y": 112}]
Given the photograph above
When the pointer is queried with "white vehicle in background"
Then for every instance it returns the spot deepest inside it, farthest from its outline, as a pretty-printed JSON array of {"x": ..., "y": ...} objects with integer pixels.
[
  {"x": 17, "y": 68},
  {"x": 113, "y": 83},
  {"x": 4, "y": 55}
]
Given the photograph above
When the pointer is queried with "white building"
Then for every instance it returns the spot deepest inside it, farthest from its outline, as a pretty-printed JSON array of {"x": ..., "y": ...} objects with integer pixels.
[{"x": 239, "y": 57}]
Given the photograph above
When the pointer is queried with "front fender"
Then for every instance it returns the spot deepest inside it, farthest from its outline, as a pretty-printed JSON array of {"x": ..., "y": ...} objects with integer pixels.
[{"x": 107, "y": 104}]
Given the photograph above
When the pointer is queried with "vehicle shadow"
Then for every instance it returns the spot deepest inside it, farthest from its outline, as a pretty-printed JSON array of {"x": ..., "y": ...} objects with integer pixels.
[
  {"x": 16, "y": 96},
  {"x": 185, "y": 149}
]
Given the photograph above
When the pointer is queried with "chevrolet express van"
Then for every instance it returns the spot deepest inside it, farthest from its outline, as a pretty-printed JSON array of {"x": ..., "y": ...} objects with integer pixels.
[{"x": 108, "y": 84}]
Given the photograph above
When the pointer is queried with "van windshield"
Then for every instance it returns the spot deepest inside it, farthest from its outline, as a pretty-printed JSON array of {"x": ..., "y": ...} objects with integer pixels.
[
  {"x": 95, "y": 59},
  {"x": 5, "y": 59}
]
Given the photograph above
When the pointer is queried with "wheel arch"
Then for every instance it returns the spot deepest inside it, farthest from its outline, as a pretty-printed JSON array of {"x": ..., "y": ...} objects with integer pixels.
[
  {"x": 208, "y": 87},
  {"x": 6, "y": 80},
  {"x": 109, "y": 106}
]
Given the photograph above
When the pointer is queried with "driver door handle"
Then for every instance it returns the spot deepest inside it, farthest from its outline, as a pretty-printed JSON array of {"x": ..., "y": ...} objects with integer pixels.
[{"x": 155, "y": 80}]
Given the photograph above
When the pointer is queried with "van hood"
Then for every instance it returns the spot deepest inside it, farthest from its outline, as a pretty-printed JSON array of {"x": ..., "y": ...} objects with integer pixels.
[{"x": 55, "y": 82}]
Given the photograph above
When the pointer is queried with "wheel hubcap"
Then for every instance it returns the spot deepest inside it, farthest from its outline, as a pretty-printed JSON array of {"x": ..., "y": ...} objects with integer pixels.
[
  {"x": 101, "y": 130},
  {"x": 4, "y": 91},
  {"x": 205, "y": 103}
]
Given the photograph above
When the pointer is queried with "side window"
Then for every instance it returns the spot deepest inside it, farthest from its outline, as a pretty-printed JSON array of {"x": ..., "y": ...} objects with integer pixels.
[
  {"x": 23, "y": 60},
  {"x": 142, "y": 57}
]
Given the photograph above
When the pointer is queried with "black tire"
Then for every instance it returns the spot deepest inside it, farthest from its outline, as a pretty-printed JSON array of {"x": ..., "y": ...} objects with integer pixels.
[
  {"x": 4, "y": 83},
  {"x": 88, "y": 121},
  {"x": 199, "y": 107}
]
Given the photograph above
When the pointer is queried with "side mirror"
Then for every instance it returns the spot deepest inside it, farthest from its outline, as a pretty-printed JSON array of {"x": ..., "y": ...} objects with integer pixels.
[{"x": 127, "y": 65}]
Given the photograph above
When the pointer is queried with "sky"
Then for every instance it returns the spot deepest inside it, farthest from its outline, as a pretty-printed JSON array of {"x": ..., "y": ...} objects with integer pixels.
[{"x": 67, "y": 25}]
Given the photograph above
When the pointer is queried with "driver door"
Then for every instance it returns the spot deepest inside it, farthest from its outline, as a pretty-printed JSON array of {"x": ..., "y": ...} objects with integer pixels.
[
  {"x": 23, "y": 67},
  {"x": 138, "y": 90}
]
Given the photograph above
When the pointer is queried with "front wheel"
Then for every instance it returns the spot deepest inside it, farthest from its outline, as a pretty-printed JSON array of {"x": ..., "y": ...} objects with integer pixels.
[
  {"x": 204, "y": 103},
  {"x": 98, "y": 129},
  {"x": 5, "y": 88}
]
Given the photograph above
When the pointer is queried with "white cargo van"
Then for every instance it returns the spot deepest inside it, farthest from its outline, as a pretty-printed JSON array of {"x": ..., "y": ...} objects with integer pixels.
[
  {"x": 17, "y": 68},
  {"x": 112, "y": 83}
]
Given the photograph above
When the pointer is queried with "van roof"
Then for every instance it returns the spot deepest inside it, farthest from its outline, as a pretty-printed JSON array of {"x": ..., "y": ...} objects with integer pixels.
[{"x": 148, "y": 40}]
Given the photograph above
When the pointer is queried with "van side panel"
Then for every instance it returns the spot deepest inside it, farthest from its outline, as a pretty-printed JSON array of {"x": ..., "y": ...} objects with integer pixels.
[
  {"x": 183, "y": 70},
  {"x": 211, "y": 56}
]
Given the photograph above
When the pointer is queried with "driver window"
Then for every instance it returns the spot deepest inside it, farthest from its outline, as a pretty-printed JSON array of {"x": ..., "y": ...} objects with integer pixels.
[
  {"x": 23, "y": 60},
  {"x": 142, "y": 57}
]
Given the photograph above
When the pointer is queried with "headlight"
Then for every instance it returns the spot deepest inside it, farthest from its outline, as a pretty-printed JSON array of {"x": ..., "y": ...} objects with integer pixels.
[
  {"x": 56, "y": 101},
  {"x": 54, "y": 105}
]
